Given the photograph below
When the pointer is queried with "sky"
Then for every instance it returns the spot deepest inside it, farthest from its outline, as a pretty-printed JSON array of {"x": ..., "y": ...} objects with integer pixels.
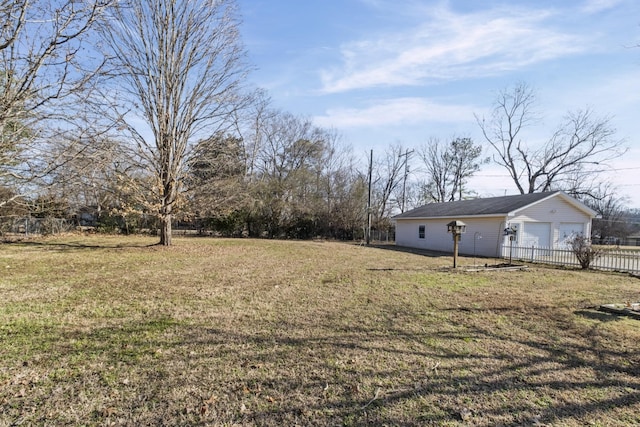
[{"x": 384, "y": 72}]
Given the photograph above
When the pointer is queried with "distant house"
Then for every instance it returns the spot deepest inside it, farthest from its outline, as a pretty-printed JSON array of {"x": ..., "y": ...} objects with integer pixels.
[
  {"x": 541, "y": 220},
  {"x": 632, "y": 240}
]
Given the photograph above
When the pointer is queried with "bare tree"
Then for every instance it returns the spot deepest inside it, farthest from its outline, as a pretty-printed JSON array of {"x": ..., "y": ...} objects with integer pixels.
[
  {"x": 580, "y": 142},
  {"x": 287, "y": 168},
  {"x": 91, "y": 180},
  {"x": 43, "y": 73},
  {"x": 437, "y": 168},
  {"x": 448, "y": 168},
  {"x": 612, "y": 222},
  {"x": 387, "y": 179},
  {"x": 178, "y": 68},
  {"x": 250, "y": 124}
]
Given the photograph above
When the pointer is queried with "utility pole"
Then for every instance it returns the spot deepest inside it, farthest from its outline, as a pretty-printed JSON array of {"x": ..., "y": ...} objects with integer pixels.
[
  {"x": 368, "y": 237},
  {"x": 406, "y": 173}
]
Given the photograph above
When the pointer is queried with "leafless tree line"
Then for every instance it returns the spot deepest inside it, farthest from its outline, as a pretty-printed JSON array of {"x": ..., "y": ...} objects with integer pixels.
[{"x": 139, "y": 114}]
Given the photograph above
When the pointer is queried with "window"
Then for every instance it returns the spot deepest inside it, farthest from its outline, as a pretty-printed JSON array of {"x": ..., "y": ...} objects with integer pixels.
[{"x": 421, "y": 229}]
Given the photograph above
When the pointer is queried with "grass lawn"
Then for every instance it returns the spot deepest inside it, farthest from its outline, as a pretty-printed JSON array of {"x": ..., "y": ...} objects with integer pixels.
[{"x": 221, "y": 332}]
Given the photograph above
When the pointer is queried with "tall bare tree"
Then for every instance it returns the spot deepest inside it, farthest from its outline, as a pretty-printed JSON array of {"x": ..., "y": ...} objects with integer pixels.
[
  {"x": 387, "y": 178},
  {"x": 44, "y": 71},
  {"x": 178, "y": 69},
  {"x": 287, "y": 167},
  {"x": 580, "y": 142},
  {"x": 250, "y": 124},
  {"x": 448, "y": 167}
]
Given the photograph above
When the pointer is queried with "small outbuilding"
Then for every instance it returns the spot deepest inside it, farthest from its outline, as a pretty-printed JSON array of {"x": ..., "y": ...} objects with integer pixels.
[
  {"x": 632, "y": 240},
  {"x": 538, "y": 220}
]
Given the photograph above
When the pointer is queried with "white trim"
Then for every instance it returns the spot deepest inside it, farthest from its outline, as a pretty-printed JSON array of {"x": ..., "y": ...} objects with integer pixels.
[{"x": 576, "y": 204}]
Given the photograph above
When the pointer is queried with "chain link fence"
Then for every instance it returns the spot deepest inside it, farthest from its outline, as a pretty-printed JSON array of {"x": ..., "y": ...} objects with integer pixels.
[{"x": 12, "y": 226}]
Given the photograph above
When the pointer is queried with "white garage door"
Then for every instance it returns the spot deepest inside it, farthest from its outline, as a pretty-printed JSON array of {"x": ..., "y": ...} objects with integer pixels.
[
  {"x": 537, "y": 234},
  {"x": 569, "y": 230}
]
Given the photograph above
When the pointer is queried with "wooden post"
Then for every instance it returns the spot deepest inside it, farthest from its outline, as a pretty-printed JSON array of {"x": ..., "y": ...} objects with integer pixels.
[
  {"x": 368, "y": 237},
  {"x": 456, "y": 228},
  {"x": 456, "y": 237}
]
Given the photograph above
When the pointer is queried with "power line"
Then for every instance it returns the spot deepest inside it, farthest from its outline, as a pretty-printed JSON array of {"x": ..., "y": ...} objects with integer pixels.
[{"x": 601, "y": 170}]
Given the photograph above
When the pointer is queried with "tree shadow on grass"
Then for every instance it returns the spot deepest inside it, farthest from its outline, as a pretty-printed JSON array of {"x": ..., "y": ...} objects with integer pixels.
[
  {"x": 406, "y": 249},
  {"x": 78, "y": 245},
  {"x": 599, "y": 316},
  {"x": 319, "y": 371},
  {"x": 446, "y": 256},
  {"x": 500, "y": 387}
]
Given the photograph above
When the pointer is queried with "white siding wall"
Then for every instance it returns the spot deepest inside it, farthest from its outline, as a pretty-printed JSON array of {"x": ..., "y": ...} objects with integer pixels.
[
  {"x": 556, "y": 212},
  {"x": 407, "y": 234},
  {"x": 486, "y": 232}
]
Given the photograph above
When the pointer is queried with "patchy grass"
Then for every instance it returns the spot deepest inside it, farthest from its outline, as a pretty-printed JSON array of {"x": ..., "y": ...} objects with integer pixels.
[{"x": 116, "y": 331}]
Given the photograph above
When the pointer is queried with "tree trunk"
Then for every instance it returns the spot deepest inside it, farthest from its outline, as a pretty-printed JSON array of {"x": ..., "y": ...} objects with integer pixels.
[{"x": 165, "y": 230}]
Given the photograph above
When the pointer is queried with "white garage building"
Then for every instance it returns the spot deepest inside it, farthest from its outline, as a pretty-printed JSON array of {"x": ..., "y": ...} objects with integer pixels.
[{"x": 542, "y": 220}]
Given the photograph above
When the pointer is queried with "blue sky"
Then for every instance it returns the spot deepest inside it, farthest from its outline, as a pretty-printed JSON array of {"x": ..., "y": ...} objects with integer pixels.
[{"x": 404, "y": 71}]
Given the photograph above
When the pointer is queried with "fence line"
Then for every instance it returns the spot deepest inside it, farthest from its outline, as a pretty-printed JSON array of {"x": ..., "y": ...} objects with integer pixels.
[
  {"x": 26, "y": 226},
  {"x": 608, "y": 259}
]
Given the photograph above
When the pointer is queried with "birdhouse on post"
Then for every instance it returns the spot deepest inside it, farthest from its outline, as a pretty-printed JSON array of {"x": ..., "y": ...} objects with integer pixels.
[
  {"x": 456, "y": 228},
  {"x": 511, "y": 231}
]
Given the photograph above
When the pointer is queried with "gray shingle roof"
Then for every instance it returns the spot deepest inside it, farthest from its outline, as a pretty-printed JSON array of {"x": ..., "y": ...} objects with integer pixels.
[{"x": 489, "y": 206}]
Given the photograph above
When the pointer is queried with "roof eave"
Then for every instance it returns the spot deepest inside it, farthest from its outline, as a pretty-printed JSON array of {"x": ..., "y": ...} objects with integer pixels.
[{"x": 492, "y": 215}]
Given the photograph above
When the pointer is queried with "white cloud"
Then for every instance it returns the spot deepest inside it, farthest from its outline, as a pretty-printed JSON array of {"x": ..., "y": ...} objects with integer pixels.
[
  {"x": 398, "y": 111},
  {"x": 451, "y": 46},
  {"x": 596, "y": 6}
]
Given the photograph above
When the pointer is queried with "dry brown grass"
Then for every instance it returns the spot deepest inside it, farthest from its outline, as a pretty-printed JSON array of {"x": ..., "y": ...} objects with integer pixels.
[{"x": 113, "y": 331}]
